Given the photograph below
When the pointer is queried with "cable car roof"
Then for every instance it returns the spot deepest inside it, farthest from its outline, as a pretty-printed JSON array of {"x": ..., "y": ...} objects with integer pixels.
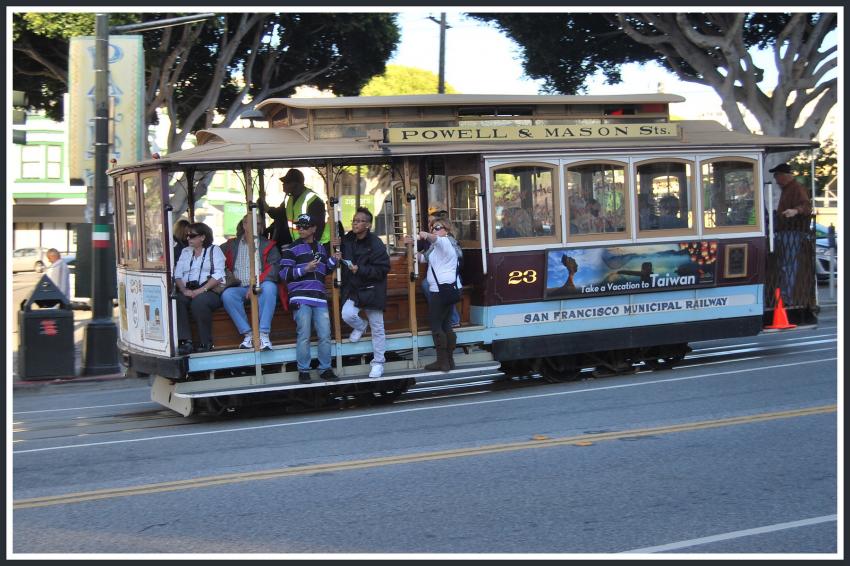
[{"x": 223, "y": 147}]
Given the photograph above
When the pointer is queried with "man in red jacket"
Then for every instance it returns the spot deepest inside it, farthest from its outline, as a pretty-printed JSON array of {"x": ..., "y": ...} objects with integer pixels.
[{"x": 237, "y": 261}]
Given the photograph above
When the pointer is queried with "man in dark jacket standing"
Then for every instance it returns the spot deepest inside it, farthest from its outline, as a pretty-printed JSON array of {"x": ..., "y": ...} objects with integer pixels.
[{"x": 364, "y": 284}]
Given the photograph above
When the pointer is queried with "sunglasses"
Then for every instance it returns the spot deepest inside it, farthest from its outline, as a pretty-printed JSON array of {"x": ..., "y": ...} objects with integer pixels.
[
  {"x": 302, "y": 227},
  {"x": 437, "y": 227},
  {"x": 189, "y": 236}
]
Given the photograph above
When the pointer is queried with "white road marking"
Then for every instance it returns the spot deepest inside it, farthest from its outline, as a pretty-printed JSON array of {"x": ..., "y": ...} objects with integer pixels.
[
  {"x": 733, "y": 535},
  {"x": 416, "y": 409}
]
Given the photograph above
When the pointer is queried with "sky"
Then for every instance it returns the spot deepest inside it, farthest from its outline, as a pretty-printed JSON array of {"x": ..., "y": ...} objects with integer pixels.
[{"x": 482, "y": 60}]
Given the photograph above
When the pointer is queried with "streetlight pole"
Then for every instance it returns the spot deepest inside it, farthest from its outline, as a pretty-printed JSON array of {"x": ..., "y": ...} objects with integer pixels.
[
  {"x": 100, "y": 351},
  {"x": 441, "y": 85}
]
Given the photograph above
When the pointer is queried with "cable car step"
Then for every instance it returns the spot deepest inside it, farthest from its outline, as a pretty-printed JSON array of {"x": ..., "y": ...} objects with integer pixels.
[{"x": 289, "y": 380}]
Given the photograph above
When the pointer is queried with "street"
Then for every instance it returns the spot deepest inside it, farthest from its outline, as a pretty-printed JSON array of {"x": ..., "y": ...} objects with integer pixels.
[{"x": 735, "y": 451}]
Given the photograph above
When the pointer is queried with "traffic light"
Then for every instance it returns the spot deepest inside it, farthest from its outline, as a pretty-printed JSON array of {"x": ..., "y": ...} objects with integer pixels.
[{"x": 19, "y": 116}]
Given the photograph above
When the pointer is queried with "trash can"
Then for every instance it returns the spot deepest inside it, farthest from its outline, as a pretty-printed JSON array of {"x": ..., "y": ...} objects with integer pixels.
[{"x": 46, "y": 334}]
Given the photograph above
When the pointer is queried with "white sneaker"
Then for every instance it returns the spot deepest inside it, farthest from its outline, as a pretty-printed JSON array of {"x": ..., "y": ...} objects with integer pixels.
[
  {"x": 355, "y": 335},
  {"x": 247, "y": 343},
  {"x": 265, "y": 343},
  {"x": 377, "y": 370}
]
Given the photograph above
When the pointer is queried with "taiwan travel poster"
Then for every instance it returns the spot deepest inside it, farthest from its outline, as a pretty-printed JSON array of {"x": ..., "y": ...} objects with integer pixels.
[{"x": 615, "y": 270}]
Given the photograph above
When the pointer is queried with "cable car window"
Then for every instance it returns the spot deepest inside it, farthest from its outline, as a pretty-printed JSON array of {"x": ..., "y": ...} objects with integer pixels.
[
  {"x": 129, "y": 244},
  {"x": 368, "y": 186},
  {"x": 524, "y": 202},
  {"x": 463, "y": 209},
  {"x": 596, "y": 198},
  {"x": 729, "y": 195},
  {"x": 663, "y": 196},
  {"x": 153, "y": 229}
]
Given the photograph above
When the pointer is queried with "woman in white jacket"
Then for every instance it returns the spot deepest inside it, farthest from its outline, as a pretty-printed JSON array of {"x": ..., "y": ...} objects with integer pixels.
[{"x": 442, "y": 268}]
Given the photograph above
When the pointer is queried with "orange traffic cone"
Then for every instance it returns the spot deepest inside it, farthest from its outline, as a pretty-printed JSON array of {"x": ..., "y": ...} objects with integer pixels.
[{"x": 780, "y": 318}]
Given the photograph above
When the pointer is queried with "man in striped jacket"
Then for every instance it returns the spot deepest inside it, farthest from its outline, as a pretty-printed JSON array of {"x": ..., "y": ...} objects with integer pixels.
[{"x": 304, "y": 265}]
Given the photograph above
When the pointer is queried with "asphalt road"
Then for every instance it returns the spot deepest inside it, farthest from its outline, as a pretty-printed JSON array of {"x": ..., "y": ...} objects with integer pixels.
[{"x": 734, "y": 452}]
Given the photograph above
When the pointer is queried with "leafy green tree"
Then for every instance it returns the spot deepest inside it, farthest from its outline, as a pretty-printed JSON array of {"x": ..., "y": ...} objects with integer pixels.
[
  {"x": 826, "y": 167},
  {"x": 398, "y": 80},
  {"x": 218, "y": 67},
  {"x": 711, "y": 49}
]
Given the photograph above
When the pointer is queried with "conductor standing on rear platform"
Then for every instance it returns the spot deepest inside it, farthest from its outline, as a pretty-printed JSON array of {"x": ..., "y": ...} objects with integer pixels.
[{"x": 297, "y": 200}]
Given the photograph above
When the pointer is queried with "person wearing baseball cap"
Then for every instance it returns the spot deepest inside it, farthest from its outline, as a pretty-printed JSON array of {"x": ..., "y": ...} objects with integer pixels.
[
  {"x": 792, "y": 216},
  {"x": 303, "y": 267},
  {"x": 297, "y": 200}
]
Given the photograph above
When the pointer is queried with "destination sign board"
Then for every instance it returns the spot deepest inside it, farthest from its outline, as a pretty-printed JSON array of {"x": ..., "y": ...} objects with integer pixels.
[{"x": 564, "y": 132}]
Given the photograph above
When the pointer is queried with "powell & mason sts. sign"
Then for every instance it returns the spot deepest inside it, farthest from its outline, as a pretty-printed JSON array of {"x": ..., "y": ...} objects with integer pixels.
[{"x": 441, "y": 134}]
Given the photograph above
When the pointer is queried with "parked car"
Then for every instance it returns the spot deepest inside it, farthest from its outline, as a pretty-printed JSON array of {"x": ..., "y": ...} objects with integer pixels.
[
  {"x": 822, "y": 253},
  {"x": 29, "y": 259}
]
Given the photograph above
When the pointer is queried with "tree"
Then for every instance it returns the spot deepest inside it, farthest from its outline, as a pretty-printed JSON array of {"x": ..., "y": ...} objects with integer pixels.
[
  {"x": 218, "y": 67},
  {"x": 398, "y": 80},
  {"x": 565, "y": 49},
  {"x": 826, "y": 167}
]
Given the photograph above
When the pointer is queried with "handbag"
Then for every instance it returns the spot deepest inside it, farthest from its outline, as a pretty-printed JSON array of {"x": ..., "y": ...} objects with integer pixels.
[
  {"x": 230, "y": 279},
  {"x": 449, "y": 293}
]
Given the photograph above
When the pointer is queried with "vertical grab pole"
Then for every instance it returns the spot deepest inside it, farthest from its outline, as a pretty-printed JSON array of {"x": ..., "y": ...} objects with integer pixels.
[
  {"x": 481, "y": 229},
  {"x": 250, "y": 240},
  {"x": 412, "y": 264},
  {"x": 334, "y": 215},
  {"x": 769, "y": 186}
]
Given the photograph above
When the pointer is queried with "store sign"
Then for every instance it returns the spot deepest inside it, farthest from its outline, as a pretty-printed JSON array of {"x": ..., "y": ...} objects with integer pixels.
[{"x": 567, "y": 132}]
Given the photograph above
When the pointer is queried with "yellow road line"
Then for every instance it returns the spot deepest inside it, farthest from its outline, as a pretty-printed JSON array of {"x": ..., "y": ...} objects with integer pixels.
[{"x": 581, "y": 440}]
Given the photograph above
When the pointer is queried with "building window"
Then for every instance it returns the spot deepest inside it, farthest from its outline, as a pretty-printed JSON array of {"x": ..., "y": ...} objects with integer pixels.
[
  {"x": 664, "y": 196},
  {"x": 729, "y": 195},
  {"x": 41, "y": 162},
  {"x": 524, "y": 200},
  {"x": 596, "y": 200}
]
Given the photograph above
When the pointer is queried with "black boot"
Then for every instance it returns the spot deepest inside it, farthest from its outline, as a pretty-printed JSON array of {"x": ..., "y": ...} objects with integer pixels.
[
  {"x": 451, "y": 343},
  {"x": 442, "y": 363}
]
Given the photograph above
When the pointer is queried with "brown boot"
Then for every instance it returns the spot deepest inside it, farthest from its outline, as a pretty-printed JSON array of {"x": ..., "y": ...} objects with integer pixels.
[
  {"x": 451, "y": 343},
  {"x": 442, "y": 363}
]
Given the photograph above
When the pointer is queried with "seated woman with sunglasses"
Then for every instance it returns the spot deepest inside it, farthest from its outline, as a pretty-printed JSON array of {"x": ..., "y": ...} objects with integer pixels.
[{"x": 199, "y": 269}]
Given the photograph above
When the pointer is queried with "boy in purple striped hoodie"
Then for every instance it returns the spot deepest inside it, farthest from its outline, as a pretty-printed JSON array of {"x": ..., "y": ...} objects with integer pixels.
[{"x": 304, "y": 265}]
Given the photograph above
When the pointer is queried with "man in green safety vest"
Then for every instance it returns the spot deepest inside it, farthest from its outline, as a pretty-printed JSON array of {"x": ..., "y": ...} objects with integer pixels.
[{"x": 297, "y": 200}]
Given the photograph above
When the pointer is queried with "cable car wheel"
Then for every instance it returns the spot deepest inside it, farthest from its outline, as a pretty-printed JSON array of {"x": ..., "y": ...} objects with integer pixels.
[
  {"x": 216, "y": 406},
  {"x": 666, "y": 357},
  {"x": 389, "y": 392},
  {"x": 558, "y": 369}
]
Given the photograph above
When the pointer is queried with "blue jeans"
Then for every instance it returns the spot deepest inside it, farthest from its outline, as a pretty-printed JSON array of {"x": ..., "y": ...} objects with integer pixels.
[
  {"x": 304, "y": 315},
  {"x": 790, "y": 242},
  {"x": 234, "y": 303},
  {"x": 453, "y": 314}
]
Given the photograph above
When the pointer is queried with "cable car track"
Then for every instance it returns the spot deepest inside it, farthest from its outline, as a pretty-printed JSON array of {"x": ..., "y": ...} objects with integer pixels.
[{"x": 31, "y": 429}]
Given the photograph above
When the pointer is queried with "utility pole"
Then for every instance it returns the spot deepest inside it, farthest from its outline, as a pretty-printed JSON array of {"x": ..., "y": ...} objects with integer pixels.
[
  {"x": 441, "y": 85},
  {"x": 100, "y": 351}
]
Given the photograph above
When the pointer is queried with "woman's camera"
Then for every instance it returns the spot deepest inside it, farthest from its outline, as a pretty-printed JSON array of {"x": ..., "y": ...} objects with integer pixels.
[{"x": 192, "y": 285}]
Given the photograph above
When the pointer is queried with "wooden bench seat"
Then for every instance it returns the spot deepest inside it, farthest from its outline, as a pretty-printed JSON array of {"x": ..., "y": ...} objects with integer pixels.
[{"x": 396, "y": 313}]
